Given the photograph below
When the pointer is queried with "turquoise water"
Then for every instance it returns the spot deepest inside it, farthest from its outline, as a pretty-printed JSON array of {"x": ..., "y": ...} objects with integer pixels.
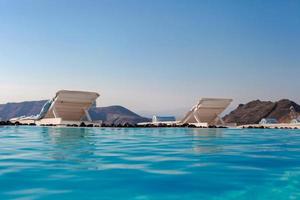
[{"x": 96, "y": 163}]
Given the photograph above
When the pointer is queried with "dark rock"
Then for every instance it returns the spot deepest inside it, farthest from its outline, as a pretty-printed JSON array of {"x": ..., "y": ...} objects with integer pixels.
[
  {"x": 191, "y": 126},
  {"x": 254, "y": 111},
  {"x": 128, "y": 125},
  {"x": 82, "y": 124},
  {"x": 283, "y": 109},
  {"x": 6, "y": 123},
  {"x": 149, "y": 126},
  {"x": 185, "y": 125}
]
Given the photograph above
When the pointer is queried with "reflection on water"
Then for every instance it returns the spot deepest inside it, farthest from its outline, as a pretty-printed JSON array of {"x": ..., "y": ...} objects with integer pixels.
[
  {"x": 205, "y": 140},
  {"x": 71, "y": 145},
  {"x": 109, "y": 148},
  {"x": 63, "y": 135}
]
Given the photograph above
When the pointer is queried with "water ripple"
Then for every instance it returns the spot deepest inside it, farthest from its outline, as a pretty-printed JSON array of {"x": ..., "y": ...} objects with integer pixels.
[{"x": 113, "y": 163}]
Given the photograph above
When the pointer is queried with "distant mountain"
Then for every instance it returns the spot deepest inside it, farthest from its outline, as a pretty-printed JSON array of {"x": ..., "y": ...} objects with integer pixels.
[
  {"x": 109, "y": 115},
  {"x": 27, "y": 108},
  {"x": 254, "y": 111},
  {"x": 116, "y": 115}
]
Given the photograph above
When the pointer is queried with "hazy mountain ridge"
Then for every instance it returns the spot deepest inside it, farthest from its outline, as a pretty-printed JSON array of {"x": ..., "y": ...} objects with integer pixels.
[
  {"x": 27, "y": 108},
  {"x": 116, "y": 115},
  {"x": 254, "y": 111},
  {"x": 109, "y": 114}
]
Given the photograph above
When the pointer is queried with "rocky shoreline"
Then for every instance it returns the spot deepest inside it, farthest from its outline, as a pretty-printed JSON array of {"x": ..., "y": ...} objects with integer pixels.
[{"x": 125, "y": 125}]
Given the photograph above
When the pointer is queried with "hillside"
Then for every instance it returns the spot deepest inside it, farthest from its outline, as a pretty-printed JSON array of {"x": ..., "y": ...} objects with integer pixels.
[
  {"x": 116, "y": 115},
  {"x": 254, "y": 111},
  {"x": 10, "y": 110},
  {"x": 109, "y": 115}
]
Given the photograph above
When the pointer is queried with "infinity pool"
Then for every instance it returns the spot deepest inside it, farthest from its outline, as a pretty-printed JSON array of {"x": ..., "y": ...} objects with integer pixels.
[{"x": 142, "y": 164}]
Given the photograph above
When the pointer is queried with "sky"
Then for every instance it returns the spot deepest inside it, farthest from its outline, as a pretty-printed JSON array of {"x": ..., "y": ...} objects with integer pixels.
[{"x": 151, "y": 56}]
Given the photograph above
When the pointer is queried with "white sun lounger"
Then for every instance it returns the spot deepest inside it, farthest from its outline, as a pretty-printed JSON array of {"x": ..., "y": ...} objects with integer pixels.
[
  {"x": 206, "y": 112},
  {"x": 66, "y": 108}
]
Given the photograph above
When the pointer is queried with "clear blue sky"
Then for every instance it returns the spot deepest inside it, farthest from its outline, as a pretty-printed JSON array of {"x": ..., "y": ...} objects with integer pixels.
[{"x": 150, "y": 55}]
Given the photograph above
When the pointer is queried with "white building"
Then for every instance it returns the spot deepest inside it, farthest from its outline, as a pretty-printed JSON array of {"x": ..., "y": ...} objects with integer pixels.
[
  {"x": 157, "y": 119},
  {"x": 296, "y": 121},
  {"x": 268, "y": 121}
]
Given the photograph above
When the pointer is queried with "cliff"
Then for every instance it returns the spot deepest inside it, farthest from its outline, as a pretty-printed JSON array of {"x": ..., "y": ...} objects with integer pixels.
[{"x": 254, "y": 111}]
